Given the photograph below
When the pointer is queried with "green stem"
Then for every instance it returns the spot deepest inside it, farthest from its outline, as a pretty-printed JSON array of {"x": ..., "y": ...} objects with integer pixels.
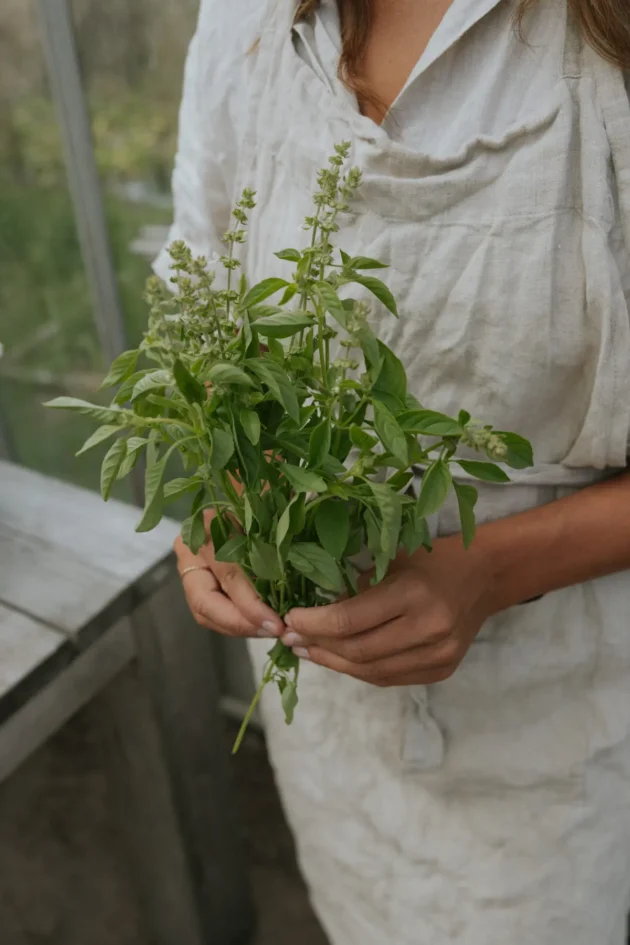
[{"x": 250, "y": 712}]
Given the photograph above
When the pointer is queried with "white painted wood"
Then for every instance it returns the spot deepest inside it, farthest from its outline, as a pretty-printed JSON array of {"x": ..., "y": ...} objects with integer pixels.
[
  {"x": 78, "y": 522},
  {"x": 32, "y": 725},
  {"x": 24, "y": 644}
]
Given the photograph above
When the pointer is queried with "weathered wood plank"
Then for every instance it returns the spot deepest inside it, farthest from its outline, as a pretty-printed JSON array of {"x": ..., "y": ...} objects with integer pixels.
[
  {"x": 146, "y": 811},
  {"x": 30, "y": 656},
  {"x": 77, "y": 521},
  {"x": 177, "y": 663},
  {"x": 35, "y": 722},
  {"x": 64, "y": 590},
  {"x": 24, "y": 644}
]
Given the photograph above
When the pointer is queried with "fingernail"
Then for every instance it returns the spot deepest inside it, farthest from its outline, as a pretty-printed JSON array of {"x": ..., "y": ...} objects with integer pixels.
[
  {"x": 293, "y": 639},
  {"x": 266, "y": 634},
  {"x": 302, "y": 653},
  {"x": 271, "y": 628},
  {"x": 287, "y": 620}
]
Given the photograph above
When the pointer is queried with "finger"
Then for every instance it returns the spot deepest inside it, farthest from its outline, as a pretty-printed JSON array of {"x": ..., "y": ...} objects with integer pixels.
[
  {"x": 422, "y": 666},
  {"x": 240, "y": 590},
  {"x": 390, "y": 639},
  {"x": 377, "y": 606}
]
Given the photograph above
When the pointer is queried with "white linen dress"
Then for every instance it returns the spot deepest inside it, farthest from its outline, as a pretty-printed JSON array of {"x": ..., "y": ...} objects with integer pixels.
[{"x": 493, "y": 808}]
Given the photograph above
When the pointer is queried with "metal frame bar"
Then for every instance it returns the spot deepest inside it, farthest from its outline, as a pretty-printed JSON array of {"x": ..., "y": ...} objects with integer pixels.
[{"x": 58, "y": 38}]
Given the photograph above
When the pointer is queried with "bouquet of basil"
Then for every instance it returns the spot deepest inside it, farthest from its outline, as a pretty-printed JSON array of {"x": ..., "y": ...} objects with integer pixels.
[{"x": 306, "y": 458}]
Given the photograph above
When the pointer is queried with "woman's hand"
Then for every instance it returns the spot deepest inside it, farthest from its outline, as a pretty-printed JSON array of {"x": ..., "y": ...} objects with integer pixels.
[
  {"x": 220, "y": 595},
  {"x": 412, "y": 629}
]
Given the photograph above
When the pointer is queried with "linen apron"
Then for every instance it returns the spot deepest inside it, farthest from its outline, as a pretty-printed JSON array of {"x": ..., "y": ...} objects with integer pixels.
[{"x": 493, "y": 808}]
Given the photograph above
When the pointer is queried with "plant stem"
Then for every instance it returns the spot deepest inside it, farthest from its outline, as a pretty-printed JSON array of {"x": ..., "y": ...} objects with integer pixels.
[{"x": 250, "y": 712}]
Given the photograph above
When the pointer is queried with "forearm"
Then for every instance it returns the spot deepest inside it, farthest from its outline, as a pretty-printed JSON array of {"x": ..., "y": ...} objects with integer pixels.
[{"x": 576, "y": 539}]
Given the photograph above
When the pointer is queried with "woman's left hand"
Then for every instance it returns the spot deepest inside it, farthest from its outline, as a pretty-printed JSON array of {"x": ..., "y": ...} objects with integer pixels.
[{"x": 412, "y": 629}]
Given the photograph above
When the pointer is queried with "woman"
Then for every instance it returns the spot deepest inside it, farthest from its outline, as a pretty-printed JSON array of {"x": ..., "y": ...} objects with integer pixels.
[{"x": 459, "y": 771}]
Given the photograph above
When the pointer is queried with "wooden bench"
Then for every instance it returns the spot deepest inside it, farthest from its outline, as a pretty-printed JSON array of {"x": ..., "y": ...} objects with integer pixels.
[{"x": 91, "y": 612}]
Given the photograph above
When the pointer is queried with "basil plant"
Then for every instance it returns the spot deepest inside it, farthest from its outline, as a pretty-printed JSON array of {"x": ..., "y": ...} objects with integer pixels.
[{"x": 305, "y": 458}]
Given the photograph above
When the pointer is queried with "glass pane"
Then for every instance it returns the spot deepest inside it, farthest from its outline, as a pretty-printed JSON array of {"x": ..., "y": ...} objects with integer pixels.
[
  {"x": 46, "y": 326},
  {"x": 132, "y": 57}
]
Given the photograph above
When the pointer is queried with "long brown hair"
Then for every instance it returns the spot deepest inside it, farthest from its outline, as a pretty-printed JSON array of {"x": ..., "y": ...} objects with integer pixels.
[{"x": 605, "y": 24}]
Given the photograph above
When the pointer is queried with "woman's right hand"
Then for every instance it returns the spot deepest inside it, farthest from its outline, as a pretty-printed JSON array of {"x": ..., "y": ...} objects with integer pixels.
[{"x": 221, "y": 597}]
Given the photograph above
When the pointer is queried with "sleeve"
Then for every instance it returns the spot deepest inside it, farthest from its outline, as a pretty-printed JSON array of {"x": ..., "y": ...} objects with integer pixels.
[{"x": 213, "y": 103}]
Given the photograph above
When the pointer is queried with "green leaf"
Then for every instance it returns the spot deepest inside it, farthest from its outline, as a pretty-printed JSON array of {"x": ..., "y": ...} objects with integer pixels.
[
  {"x": 249, "y": 459},
  {"x": 390, "y": 506},
  {"x": 416, "y": 535},
  {"x": 222, "y": 448},
  {"x": 436, "y": 485},
  {"x": 289, "y": 700},
  {"x": 224, "y": 372},
  {"x": 362, "y": 439},
  {"x": 319, "y": 444},
  {"x": 291, "y": 521},
  {"x": 332, "y": 524},
  {"x": 379, "y": 289},
  {"x": 303, "y": 480},
  {"x": 467, "y": 499},
  {"x": 153, "y": 492},
  {"x": 111, "y": 466},
  {"x": 219, "y": 533},
  {"x": 390, "y": 434},
  {"x": 392, "y": 379},
  {"x": 123, "y": 395},
  {"x": 283, "y": 325},
  {"x": 156, "y": 380},
  {"x": 279, "y": 384},
  {"x": 288, "y": 295},
  {"x": 194, "y": 532},
  {"x": 520, "y": 453},
  {"x": 275, "y": 349},
  {"x": 331, "y": 302},
  {"x": 487, "y": 472},
  {"x": 233, "y": 551},
  {"x": 189, "y": 386},
  {"x": 250, "y": 421},
  {"x": 429, "y": 423},
  {"x": 102, "y": 414},
  {"x": 122, "y": 368},
  {"x": 264, "y": 561},
  {"x": 177, "y": 488},
  {"x": 364, "y": 262},
  {"x": 464, "y": 417},
  {"x": 135, "y": 445},
  {"x": 102, "y": 434},
  {"x": 249, "y": 515},
  {"x": 317, "y": 565},
  {"x": 262, "y": 291},
  {"x": 292, "y": 255}
]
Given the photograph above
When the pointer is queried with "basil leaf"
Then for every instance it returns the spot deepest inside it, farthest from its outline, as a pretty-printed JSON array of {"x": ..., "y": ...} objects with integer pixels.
[
  {"x": 487, "y": 472},
  {"x": 222, "y": 448},
  {"x": 364, "y": 262},
  {"x": 189, "y": 386},
  {"x": 289, "y": 700},
  {"x": 122, "y": 368},
  {"x": 264, "y": 561},
  {"x": 317, "y": 565},
  {"x": 390, "y": 506},
  {"x": 303, "y": 480},
  {"x": 520, "y": 453},
  {"x": 389, "y": 433},
  {"x": 379, "y": 289},
  {"x": 429, "y": 423},
  {"x": 467, "y": 499},
  {"x": 233, "y": 550},
  {"x": 319, "y": 445},
  {"x": 331, "y": 302},
  {"x": 111, "y": 414},
  {"x": 284, "y": 325},
  {"x": 156, "y": 380},
  {"x": 262, "y": 291},
  {"x": 223, "y": 372},
  {"x": 436, "y": 485},
  {"x": 111, "y": 466},
  {"x": 177, "y": 488},
  {"x": 194, "y": 532},
  {"x": 250, "y": 421},
  {"x": 135, "y": 445},
  {"x": 102, "y": 434},
  {"x": 292, "y": 255},
  {"x": 332, "y": 524}
]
